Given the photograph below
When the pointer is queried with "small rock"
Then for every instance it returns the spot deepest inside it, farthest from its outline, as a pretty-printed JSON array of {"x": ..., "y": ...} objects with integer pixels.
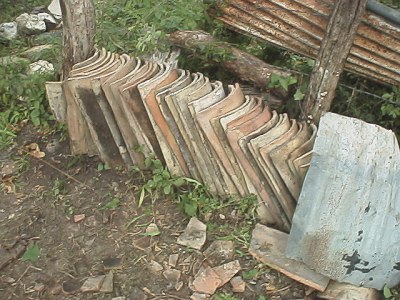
[
  {"x": 238, "y": 284},
  {"x": 172, "y": 275},
  {"x": 108, "y": 283},
  {"x": 154, "y": 267},
  {"x": 41, "y": 66},
  {"x": 78, "y": 218},
  {"x": 91, "y": 221},
  {"x": 8, "y": 31},
  {"x": 55, "y": 9},
  {"x": 119, "y": 298},
  {"x": 39, "y": 287},
  {"x": 226, "y": 271},
  {"x": 55, "y": 290},
  {"x": 222, "y": 217},
  {"x": 68, "y": 287},
  {"x": 8, "y": 168},
  {"x": 207, "y": 281},
  {"x": 197, "y": 296},
  {"x": 30, "y": 24},
  {"x": 137, "y": 294},
  {"x": 36, "y": 52},
  {"x": 7, "y": 279},
  {"x": 178, "y": 286},
  {"x": 173, "y": 260},
  {"x": 93, "y": 284},
  {"x": 219, "y": 252},
  {"x": 194, "y": 235},
  {"x": 152, "y": 230},
  {"x": 111, "y": 263},
  {"x": 49, "y": 20},
  {"x": 52, "y": 146}
]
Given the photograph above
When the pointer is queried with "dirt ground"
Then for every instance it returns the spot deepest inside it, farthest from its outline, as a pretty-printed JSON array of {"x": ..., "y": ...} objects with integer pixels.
[{"x": 49, "y": 192}]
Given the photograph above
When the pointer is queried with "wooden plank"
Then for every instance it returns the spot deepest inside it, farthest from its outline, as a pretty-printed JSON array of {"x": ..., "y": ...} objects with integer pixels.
[{"x": 268, "y": 246}]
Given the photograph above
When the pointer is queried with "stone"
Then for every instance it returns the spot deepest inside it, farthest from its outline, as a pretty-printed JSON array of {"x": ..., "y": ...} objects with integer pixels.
[
  {"x": 226, "y": 271},
  {"x": 173, "y": 260},
  {"x": 194, "y": 235},
  {"x": 37, "y": 52},
  {"x": 8, "y": 31},
  {"x": 93, "y": 284},
  {"x": 344, "y": 291},
  {"x": 68, "y": 287},
  {"x": 238, "y": 284},
  {"x": 207, "y": 281},
  {"x": 30, "y": 24},
  {"x": 8, "y": 168},
  {"x": 154, "y": 267},
  {"x": 152, "y": 230},
  {"x": 137, "y": 294},
  {"x": 41, "y": 66},
  {"x": 78, "y": 218},
  {"x": 55, "y": 9},
  {"x": 198, "y": 296},
  {"x": 108, "y": 283},
  {"x": 172, "y": 275},
  {"x": 39, "y": 287},
  {"x": 49, "y": 20},
  {"x": 12, "y": 59},
  {"x": 111, "y": 263},
  {"x": 219, "y": 252}
]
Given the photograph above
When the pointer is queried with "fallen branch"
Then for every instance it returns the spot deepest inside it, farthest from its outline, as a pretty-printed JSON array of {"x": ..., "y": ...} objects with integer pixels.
[{"x": 246, "y": 66}]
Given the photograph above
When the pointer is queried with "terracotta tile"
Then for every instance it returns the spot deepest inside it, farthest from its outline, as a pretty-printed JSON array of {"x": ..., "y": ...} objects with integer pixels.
[
  {"x": 172, "y": 100},
  {"x": 103, "y": 59},
  {"x": 176, "y": 167},
  {"x": 234, "y": 99},
  {"x": 219, "y": 124},
  {"x": 136, "y": 112},
  {"x": 187, "y": 126},
  {"x": 239, "y": 137},
  {"x": 302, "y": 163},
  {"x": 94, "y": 108},
  {"x": 207, "y": 281},
  {"x": 300, "y": 151},
  {"x": 280, "y": 156},
  {"x": 204, "y": 151},
  {"x": 88, "y": 61},
  {"x": 116, "y": 106},
  {"x": 278, "y": 185},
  {"x": 226, "y": 271},
  {"x": 147, "y": 91}
]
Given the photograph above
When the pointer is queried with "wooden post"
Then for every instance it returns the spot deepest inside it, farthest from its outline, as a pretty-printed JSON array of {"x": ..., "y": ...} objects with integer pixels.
[
  {"x": 79, "y": 26},
  {"x": 334, "y": 49}
]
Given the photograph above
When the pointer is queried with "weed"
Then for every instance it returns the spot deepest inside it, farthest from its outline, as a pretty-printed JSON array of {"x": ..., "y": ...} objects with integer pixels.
[
  {"x": 113, "y": 204},
  {"x": 22, "y": 163},
  {"x": 392, "y": 294},
  {"x": 58, "y": 189},
  {"x": 102, "y": 167},
  {"x": 224, "y": 296}
]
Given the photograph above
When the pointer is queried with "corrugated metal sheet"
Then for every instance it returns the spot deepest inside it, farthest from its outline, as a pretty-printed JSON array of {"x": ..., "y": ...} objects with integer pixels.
[
  {"x": 299, "y": 26},
  {"x": 347, "y": 221}
]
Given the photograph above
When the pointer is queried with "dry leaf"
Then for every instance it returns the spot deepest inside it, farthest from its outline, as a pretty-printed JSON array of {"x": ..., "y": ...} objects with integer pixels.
[
  {"x": 34, "y": 150},
  {"x": 8, "y": 185}
]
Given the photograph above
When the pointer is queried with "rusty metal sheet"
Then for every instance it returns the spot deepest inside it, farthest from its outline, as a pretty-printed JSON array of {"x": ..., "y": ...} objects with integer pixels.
[
  {"x": 346, "y": 224},
  {"x": 299, "y": 26}
]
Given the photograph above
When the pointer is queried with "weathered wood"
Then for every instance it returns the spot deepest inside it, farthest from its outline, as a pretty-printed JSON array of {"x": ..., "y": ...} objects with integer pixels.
[
  {"x": 335, "y": 47},
  {"x": 246, "y": 66},
  {"x": 79, "y": 26},
  {"x": 268, "y": 245}
]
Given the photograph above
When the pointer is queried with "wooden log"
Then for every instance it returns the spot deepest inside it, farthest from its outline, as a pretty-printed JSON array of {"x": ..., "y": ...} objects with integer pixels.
[
  {"x": 335, "y": 47},
  {"x": 246, "y": 66}
]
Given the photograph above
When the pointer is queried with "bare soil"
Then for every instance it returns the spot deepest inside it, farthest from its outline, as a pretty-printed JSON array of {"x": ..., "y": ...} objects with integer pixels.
[{"x": 50, "y": 191}]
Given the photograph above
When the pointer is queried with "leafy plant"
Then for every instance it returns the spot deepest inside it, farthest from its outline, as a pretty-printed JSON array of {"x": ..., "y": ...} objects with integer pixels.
[
  {"x": 114, "y": 203},
  {"x": 281, "y": 81},
  {"x": 31, "y": 253},
  {"x": 392, "y": 294},
  {"x": 224, "y": 296}
]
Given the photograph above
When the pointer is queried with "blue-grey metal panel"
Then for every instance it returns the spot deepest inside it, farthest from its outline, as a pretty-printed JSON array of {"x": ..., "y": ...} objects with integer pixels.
[{"x": 347, "y": 222}]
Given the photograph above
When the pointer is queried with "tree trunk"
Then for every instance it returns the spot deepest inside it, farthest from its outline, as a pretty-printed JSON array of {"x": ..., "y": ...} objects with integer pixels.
[
  {"x": 334, "y": 49},
  {"x": 79, "y": 25}
]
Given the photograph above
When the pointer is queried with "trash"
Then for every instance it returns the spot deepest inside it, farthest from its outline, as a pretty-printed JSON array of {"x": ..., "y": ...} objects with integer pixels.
[
  {"x": 226, "y": 271},
  {"x": 219, "y": 252},
  {"x": 154, "y": 267},
  {"x": 206, "y": 281},
  {"x": 78, "y": 218},
  {"x": 108, "y": 284},
  {"x": 173, "y": 260},
  {"x": 93, "y": 284}
]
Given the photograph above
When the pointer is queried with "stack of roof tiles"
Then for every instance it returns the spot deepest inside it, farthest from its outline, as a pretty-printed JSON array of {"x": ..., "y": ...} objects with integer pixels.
[{"x": 117, "y": 104}]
